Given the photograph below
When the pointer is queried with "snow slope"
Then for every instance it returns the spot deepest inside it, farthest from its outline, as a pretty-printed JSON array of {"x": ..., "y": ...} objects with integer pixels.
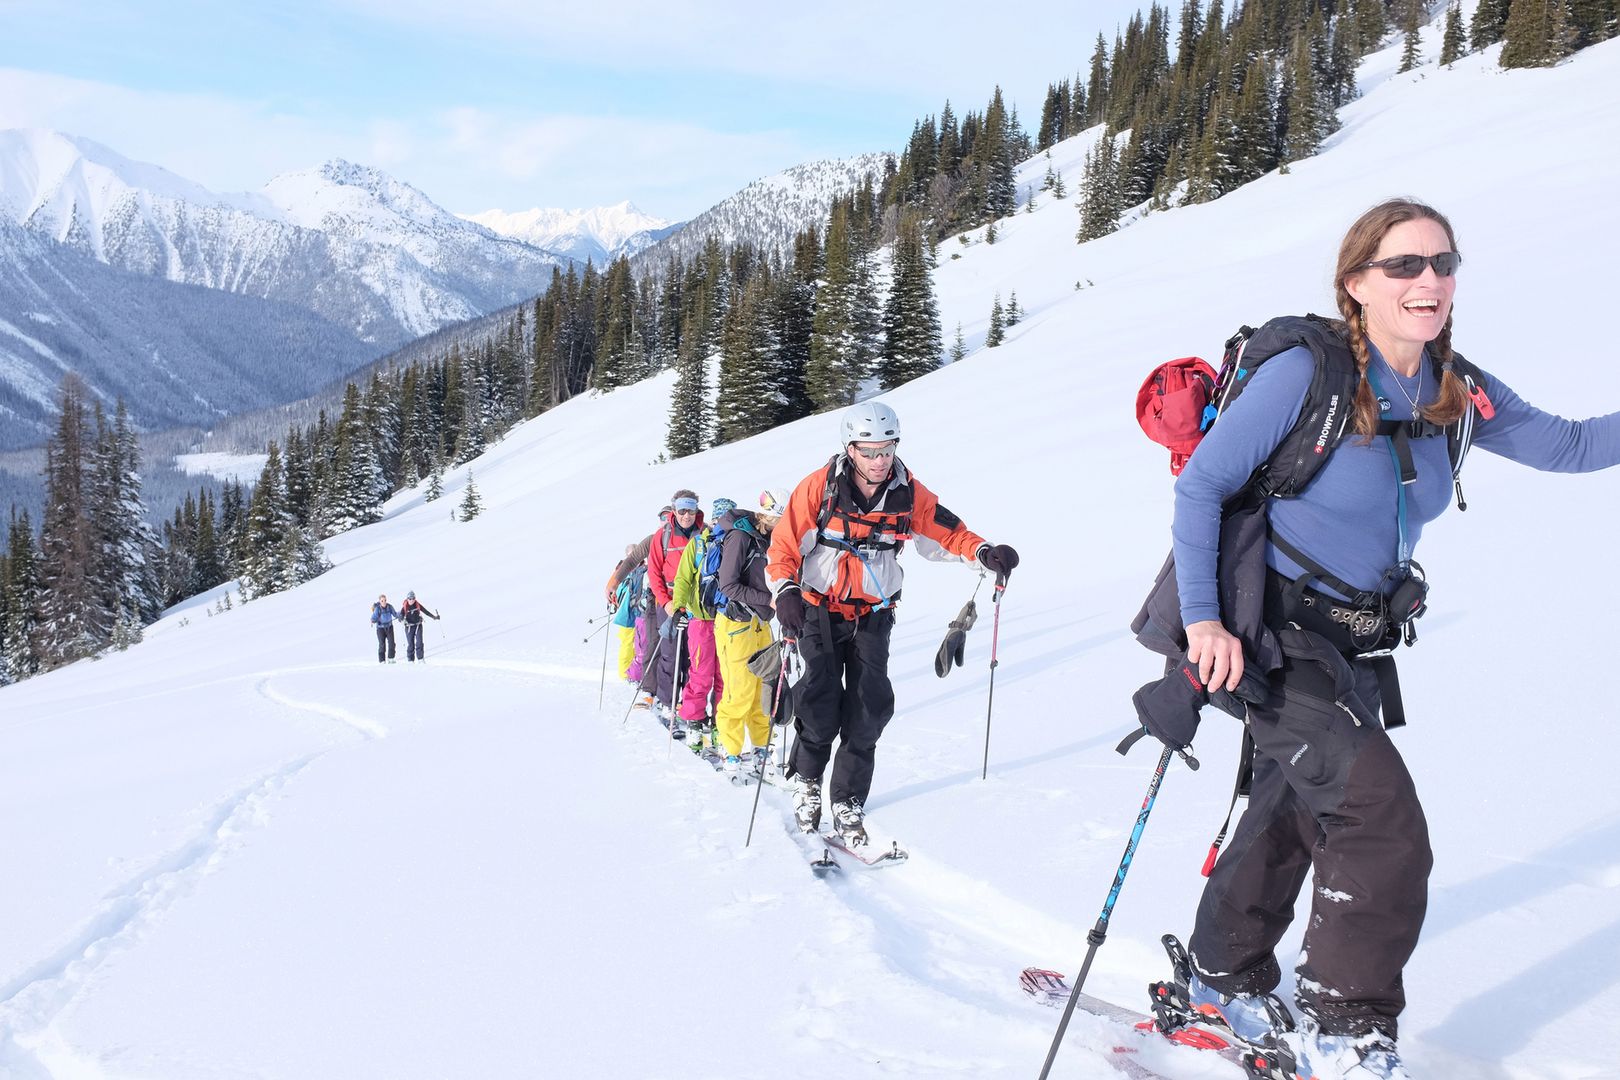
[{"x": 247, "y": 850}]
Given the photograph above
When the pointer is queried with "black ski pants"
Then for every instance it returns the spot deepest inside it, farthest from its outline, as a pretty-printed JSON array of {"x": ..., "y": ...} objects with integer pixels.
[
  {"x": 385, "y": 643},
  {"x": 844, "y": 694},
  {"x": 413, "y": 641},
  {"x": 1331, "y": 797},
  {"x": 671, "y": 662}
]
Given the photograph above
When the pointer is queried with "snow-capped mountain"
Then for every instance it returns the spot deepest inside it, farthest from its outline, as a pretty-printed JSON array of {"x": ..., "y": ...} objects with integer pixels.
[
  {"x": 600, "y": 234},
  {"x": 769, "y": 212},
  {"x": 350, "y": 243},
  {"x": 176, "y": 353}
]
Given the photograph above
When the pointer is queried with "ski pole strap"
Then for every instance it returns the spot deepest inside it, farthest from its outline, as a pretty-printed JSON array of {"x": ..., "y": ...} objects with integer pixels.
[
  {"x": 1240, "y": 790},
  {"x": 1129, "y": 741}
]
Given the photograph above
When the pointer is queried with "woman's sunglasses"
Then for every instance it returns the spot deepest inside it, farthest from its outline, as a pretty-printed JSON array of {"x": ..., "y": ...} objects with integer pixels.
[{"x": 1410, "y": 266}]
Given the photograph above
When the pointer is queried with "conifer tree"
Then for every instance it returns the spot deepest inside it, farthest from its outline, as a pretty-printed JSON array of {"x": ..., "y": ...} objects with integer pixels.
[
  {"x": 837, "y": 361},
  {"x": 435, "y": 484},
  {"x": 1097, "y": 86},
  {"x": 1014, "y": 314},
  {"x": 911, "y": 345},
  {"x": 1411, "y": 46},
  {"x": 1101, "y": 200},
  {"x": 1451, "y": 44},
  {"x": 1593, "y": 21},
  {"x": 998, "y": 326},
  {"x": 1538, "y": 34},
  {"x": 358, "y": 488},
  {"x": 264, "y": 569},
  {"x": 689, "y": 404},
  {"x": 1372, "y": 23},
  {"x": 958, "y": 346},
  {"x": 749, "y": 401},
  {"x": 23, "y": 586},
  {"x": 73, "y": 621},
  {"x": 471, "y": 505},
  {"x": 1343, "y": 57},
  {"x": 1488, "y": 23}
]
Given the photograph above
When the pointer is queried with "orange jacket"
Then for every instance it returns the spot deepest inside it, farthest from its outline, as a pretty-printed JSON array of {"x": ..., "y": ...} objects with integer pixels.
[{"x": 847, "y": 558}]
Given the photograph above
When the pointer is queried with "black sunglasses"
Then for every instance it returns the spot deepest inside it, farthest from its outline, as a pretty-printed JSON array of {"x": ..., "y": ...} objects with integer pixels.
[{"x": 1410, "y": 266}]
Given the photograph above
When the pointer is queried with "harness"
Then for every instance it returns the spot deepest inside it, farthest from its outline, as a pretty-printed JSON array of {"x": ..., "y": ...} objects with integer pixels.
[{"x": 881, "y": 531}]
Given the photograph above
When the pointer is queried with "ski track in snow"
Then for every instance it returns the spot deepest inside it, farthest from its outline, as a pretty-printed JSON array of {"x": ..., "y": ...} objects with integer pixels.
[{"x": 31, "y": 1002}]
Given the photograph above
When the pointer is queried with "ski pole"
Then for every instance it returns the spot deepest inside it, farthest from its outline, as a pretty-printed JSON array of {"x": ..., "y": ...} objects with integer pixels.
[
  {"x": 598, "y": 630},
  {"x": 601, "y": 689},
  {"x": 1100, "y": 932},
  {"x": 995, "y": 640},
  {"x": 675, "y": 685},
  {"x": 770, "y": 738}
]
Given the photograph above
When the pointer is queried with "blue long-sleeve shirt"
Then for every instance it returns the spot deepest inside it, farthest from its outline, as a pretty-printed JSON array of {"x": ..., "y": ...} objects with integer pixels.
[{"x": 1346, "y": 518}]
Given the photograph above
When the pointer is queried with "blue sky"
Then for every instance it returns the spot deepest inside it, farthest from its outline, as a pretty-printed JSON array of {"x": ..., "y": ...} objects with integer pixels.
[{"x": 502, "y": 103}]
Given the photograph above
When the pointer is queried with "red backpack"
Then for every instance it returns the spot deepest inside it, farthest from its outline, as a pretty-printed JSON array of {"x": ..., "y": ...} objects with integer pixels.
[{"x": 1176, "y": 406}]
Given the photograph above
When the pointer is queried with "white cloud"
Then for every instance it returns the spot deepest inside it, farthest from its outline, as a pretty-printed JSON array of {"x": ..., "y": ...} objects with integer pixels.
[
  {"x": 464, "y": 158},
  {"x": 947, "y": 48}
]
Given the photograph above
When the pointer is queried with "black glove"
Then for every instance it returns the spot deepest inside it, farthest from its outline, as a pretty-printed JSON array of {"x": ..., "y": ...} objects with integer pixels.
[
  {"x": 681, "y": 618},
  {"x": 790, "y": 612},
  {"x": 1169, "y": 708},
  {"x": 999, "y": 559}
]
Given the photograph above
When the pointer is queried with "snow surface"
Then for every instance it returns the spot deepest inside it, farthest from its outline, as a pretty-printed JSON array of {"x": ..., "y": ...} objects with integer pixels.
[
  {"x": 244, "y": 849},
  {"x": 222, "y": 466}
]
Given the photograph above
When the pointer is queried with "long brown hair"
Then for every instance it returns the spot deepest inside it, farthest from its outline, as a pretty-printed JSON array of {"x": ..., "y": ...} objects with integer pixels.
[{"x": 1357, "y": 249}]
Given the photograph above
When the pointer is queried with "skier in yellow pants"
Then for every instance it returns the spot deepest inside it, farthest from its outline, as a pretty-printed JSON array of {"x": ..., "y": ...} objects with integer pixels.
[{"x": 742, "y": 627}]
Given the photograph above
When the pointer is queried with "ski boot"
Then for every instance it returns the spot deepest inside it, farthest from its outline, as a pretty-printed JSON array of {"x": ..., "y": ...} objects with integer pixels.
[
  {"x": 1313, "y": 1054},
  {"x": 1187, "y": 1011},
  {"x": 807, "y": 805},
  {"x": 849, "y": 822}
]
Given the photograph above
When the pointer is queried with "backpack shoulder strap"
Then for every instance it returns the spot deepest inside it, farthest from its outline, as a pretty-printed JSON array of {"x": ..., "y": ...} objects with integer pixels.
[
  {"x": 1328, "y": 407},
  {"x": 829, "y": 495}
]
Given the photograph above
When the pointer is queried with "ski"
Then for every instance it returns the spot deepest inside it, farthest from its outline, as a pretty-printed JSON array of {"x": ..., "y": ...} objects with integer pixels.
[
  {"x": 1051, "y": 989},
  {"x": 868, "y": 854}
]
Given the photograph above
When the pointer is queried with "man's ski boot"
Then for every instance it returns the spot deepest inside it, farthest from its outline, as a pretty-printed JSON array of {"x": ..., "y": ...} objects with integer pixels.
[
  {"x": 807, "y": 805},
  {"x": 1313, "y": 1054},
  {"x": 849, "y": 822},
  {"x": 1188, "y": 1011}
]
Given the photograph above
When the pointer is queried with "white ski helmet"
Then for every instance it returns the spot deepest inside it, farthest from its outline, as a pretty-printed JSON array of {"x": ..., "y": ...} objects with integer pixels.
[
  {"x": 773, "y": 502},
  {"x": 870, "y": 421}
]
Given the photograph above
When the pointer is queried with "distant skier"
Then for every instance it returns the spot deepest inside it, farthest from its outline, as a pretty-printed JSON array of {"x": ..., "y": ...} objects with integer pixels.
[
  {"x": 834, "y": 570},
  {"x": 382, "y": 617},
  {"x": 410, "y": 614}
]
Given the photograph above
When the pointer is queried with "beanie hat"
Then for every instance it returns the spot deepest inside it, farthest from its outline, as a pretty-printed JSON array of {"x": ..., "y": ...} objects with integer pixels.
[{"x": 723, "y": 507}]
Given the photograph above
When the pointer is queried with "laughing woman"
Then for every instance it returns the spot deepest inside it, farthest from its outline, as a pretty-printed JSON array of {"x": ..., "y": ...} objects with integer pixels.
[{"x": 1331, "y": 796}]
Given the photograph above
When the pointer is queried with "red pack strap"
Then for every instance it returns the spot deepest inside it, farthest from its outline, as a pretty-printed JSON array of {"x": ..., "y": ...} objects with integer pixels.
[{"x": 1174, "y": 406}]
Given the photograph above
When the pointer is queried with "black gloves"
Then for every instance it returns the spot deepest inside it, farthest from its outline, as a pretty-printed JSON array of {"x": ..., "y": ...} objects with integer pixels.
[
  {"x": 790, "y": 612},
  {"x": 681, "y": 618},
  {"x": 999, "y": 559},
  {"x": 1169, "y": 708}
]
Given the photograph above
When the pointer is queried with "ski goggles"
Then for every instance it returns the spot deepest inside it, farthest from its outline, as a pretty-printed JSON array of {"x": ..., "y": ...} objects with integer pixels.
[
  {"x": 770, "y": 505},
  {"x": 1410, "y": 266},
  {"x": 873, "y": 453}
]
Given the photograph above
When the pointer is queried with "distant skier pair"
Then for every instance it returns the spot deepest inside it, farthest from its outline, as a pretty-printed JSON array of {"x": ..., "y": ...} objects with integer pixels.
[{"x": 383, "y": 616}]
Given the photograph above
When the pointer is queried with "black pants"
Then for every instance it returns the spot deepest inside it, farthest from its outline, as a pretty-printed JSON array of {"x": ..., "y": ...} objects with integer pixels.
[
  {"x": 1330, "y": 797},
  {"x": 844, "y": 694},
  {"x": 385, "y": 643},
  {"x": 413, "y": 642},
  {"x": 671, "y": 663}
]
